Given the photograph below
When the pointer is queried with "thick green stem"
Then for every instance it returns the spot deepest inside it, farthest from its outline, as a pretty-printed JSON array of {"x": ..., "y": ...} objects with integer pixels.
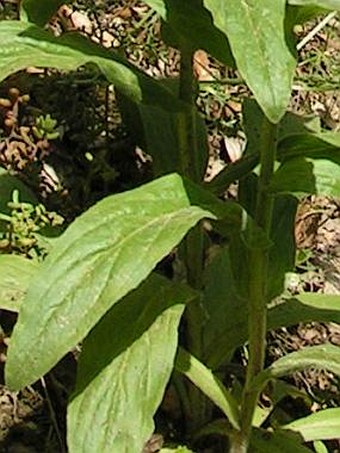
[{"x": 258, "y": 268}]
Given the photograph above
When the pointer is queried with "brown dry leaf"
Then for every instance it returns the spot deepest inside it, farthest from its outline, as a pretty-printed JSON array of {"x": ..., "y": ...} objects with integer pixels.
[
  {"x": 74, "y": 20},
  {"x": 201, "y": 65}
]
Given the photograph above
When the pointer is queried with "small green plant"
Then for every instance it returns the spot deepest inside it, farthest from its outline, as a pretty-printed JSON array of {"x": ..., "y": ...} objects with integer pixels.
[
  {"x": 45, "y": 128},
  {"x": 98, "y": 284},
  {"x": 22, "y": 225}
]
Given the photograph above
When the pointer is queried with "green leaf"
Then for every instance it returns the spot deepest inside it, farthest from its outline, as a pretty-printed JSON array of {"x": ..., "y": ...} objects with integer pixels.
[
  {"x": 324, "y": 145},
  {"x": 209, "y": 384},
  {"x": 231, "y": 173},
  {"x": 329, "y": 4},
  {"x": 179, "y": 449},
  {"x": 322, "y": 357},
  {"x": 188, "y": 25},
  {"x": 8, "y": 183},
  {"x": 321, "y": 425},
  {"x": 134, "y": 346},
  {"x": 224, "y": 302},
  {"x": 319, "y": 447},
  {"x": 263, "y": 441},
  {"x": 105, "y": 253},
  {"x": 282, "y": 252},
  {"x": 24, "y": 45},
  {"x": 301, "y": 175},
  {"x": 158, "y": 132},
  {"x": 39, "y": 11},
  {"x": 16, "y": 273},
  {"x": 306, "y": 307},
  {"x": 255, "y": 29}
]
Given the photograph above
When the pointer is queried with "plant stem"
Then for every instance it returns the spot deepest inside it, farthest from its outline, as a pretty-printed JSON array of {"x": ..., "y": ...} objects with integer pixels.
[
  {"x": 193, "y": 247},
  {"x": 258, "y": 268}
]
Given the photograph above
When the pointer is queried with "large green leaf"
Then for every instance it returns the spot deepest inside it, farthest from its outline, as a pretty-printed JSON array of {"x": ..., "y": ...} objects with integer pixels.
[
  {"x": 24, "y": 45},
  {"x": 188, "y": 25},
  {"x": 322, "y": 357},
  {"x": 39, "y": 11},
  {"x": 255, "y": 29},
  {"x": 124, "y": 367},
  {"x": 16, "y": 273},
  {"x": 321, "y": 425},
  {"x": 104, "y": 254},
  {"x": 209, "y": 384},
  {"x": 302, "y": 175},
  {"x": 329, "y": 4}
]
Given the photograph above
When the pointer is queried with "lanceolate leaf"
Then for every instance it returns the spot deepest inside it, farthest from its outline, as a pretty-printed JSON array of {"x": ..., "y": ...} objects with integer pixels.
[
  {"x": 16, "y": 273},
  {"x": 255, "y": 29},
  {"x": 39, "y": 11},
  {"x": 124, "y": 367},
  {"x": 24, "y": 45},
  {"x": 209, "y": 384},
  {"x": 329, "y": 4},
  {"x": 321, "y": 357},
  {"x": 104, "y": 254},
  {"x": 322, "y": 425}
]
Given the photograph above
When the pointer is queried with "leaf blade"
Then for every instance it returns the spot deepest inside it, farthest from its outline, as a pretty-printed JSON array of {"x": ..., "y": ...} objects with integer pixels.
[
  {"x": 323, "y": 357},
  {"x": 117, "y": 394},
  {"x": 255, "y": 30},
  {"x": 115, "y": 244},
  {"x": 209, "y": 384},
  {"x": 321, "y": 425},
  {"x": 25, "y": 44},
  {"x": 16, "y": 272}
]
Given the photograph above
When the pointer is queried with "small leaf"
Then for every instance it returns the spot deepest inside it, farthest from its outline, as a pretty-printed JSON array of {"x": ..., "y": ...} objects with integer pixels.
[
  {"x": 301, "y": 175},
  {"x": 209, "y": 384},
  {"x": 321, "y": 425},
  {"x": 322, "y": 357},
  {"x": 39, "y": 11},
  {"x": 188, "y": 25},
  {"x": 16, "y": 273},
  {"x": 134, "y": 346},
  {"x": 105, "y": 253},
  {"x": 329, "y": 4},
  {"x": 255, "y": 30},
  {"x": 8, "y": 183},
  {"x": 324, "y": 145},
  {"x": 263, "y": 441}
]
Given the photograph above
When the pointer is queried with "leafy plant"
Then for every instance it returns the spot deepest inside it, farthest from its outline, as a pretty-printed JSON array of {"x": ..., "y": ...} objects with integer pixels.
[{"x": 98, "y": 283}]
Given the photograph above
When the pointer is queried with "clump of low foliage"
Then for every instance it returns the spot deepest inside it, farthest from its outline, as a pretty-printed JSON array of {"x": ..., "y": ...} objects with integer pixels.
[{"x": 98, "y": 285}]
